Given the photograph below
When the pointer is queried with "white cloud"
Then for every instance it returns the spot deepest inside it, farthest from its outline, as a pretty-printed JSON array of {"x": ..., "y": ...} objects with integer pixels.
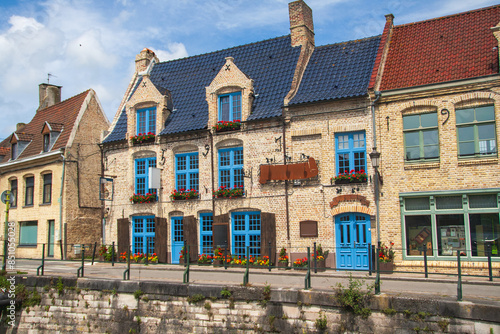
[{"x": 175, "y": 51}]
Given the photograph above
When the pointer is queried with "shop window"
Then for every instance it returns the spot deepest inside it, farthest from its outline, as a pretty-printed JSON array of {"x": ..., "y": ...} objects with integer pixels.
[{"x": 28, "y": 233}]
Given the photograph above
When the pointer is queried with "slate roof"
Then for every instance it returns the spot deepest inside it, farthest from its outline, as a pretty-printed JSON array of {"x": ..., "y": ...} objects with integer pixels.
[
  {"x": 454, "y": 47},
  {"x": 338, "y": 71},
  {"x": 64, "y": 113}
]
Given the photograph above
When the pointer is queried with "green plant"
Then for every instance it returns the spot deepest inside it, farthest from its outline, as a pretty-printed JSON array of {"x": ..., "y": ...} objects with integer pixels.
[
  {"x": 138, "y": 294},
  {"x": 321, "y": 323},
  {"x": 195, "y": 298},
  {"x": 145, "y": 299},
  {"x": 143, "y": 137},
  {"x": 184, "y": 194},
  {"x": 266, "y": 295},
  {"x": 407, "y": 313},
  {"x": 227, "y": 125},
  {"x": 143, "y": 198},
  {"x": 46, "y": 288},
  {"x": 32, "y": 299},
  {"x": 352, "y": 298},
  {"x": 283, "y": 257},
  {"x": 207, "y": 306},
  {"x": 443, "y": 324},
  {"x": 225, "y": 192},
  {"x": 60, "y": 286},
  {"x": 225, "y": 293},
  {"x": 114, "y": 292},
  {"x": 389, "y": 311},
  {"x": 22, "y": 272},
  {"x": 138, "y": 319},
  {"x": 386, "y": 254}
]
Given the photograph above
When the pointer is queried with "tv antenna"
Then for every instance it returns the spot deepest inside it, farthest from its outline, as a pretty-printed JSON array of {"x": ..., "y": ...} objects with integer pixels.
[{"x": 48, "y": 77}]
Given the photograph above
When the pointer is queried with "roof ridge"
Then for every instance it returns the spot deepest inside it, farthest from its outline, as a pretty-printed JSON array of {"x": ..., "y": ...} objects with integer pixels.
[
  {"x": 221, "y": 50},
  {"x": 350, "y": 41},
  {"x": 447, "y": 16},
  {"x": 79, "y": 95}
]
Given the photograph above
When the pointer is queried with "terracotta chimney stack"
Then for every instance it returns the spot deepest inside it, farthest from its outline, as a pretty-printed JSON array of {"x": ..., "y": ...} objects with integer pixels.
[{"x": 301, "y": 23}]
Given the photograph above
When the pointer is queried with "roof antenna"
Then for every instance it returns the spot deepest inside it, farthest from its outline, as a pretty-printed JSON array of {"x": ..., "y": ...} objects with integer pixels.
[{"x": 48, "y": 77}]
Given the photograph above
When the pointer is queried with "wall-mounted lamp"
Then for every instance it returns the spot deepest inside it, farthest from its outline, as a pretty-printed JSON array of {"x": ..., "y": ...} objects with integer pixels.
[{"x": 375, "y": 158}]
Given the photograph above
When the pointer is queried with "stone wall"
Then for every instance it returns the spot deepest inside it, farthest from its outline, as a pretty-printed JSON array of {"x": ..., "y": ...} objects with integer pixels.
[{"x": 106, "y": 306}]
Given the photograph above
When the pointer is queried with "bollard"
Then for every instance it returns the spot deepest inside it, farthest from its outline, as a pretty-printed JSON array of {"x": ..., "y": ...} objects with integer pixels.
[
  {"x": 425, "y": 262},
  {"x": 126, "y": 273},
  {"x": 61, "y": 248},
  {"x": 377, "y": 278},
  {"x": 315, "y": 259},
  {"x": 247, "y": 271},
  {"x": 93, "y": 253},
  {"x": 488, "y": 250},
  {"x": 225, "y": 257},
  {"x": 269, "y": 256},
  {"x": 42, "y": 266},
  {"x": 81, "y": 269},
  {"x": 186, "y": 272},
  {"x": 459, "y": 283},
  {"x": 307, "y": 279},
  {"x": 113, "y": 254},
  {"x": 370, "y": 260}
]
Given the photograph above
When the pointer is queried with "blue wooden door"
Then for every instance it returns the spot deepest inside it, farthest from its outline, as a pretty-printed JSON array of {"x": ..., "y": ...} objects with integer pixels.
[
  {"x": 353, "y": 236},
  {"x": 177, "y": 238}
]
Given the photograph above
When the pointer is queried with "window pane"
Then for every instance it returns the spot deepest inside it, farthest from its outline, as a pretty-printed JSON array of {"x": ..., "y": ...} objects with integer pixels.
[
  {"x": 451, "y": 234},
  {"x": 466, "y": 148},
  {"x": 343, "y": 142},
  {"x": 152, "y": 121},
  {"x": 411, "y": 122},
  {"x": 359, "y": 140},
  {"x": 482, "y": 201},
  {"x": 236, "y": 107},
  {"x": 487, "y": 138},
  {"x": 485, "y": 113},
  {"x": 419, "y": 203},
  {"x": 412, "y": 153},
  {"x": 465, "y": 116},
  {"x": 429, "y": 120},
  {"x": 484, "y": 229},
  {"x": 412, "y": 139},
  {"x": 193, "y": 161},
  {"x": 448, "y": 202},
  {"x": 224, "y": 108},
  {"x": 28, "y": 233},
  {"x": 430, "y": 137},
  {"x": 238, "y": 157},
  {"x": 181, "y": 163},
  {"x": 466, "y": 133},
  {"x": 418, "y": 234},
  {"x": 225, "y": 158},
  {"x": 343, "y": 163},
  {"x": 359, "y": 161},
  {"x": 141, "y": 122}
]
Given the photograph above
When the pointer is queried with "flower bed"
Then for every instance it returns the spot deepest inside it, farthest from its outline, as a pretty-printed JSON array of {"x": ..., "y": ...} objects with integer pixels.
[
  {"x": 183, "y": 194},
  {"x": 147, "y": 198},
  {"x": 143, "y": 138},
  {"x": 224, "y": 192},
  {"x": 350, "y": 177},
  {"x": 140, "y": 257},
  {"x": 223, "y": 126},
  {"x": 300, "y": 263}
]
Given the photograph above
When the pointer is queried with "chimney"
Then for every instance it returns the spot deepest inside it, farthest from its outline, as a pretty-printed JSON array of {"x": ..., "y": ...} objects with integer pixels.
[
  {"x": 301, "y": 23},
  {"x": 48, "y": 95},
  {"x": 20, "y": 127},
  {"x": 143, "y": 59}
]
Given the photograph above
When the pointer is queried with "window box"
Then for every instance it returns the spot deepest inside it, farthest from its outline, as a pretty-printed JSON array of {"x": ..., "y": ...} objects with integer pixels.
[
  {"x": 184, "y": 194},
  {"x": 224, "y": 192},
  {"x": 352, "y": 177},
  {"x": 223, "y": 126},
  {"x": 143, "y": 138},
  {"x": 140, "y": 198}
]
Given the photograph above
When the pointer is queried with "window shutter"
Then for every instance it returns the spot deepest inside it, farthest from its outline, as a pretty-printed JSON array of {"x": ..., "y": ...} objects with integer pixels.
[
  {"x": 191, "y": 236},
  {"x": 123, "y": 226},
  {"x": 220, "y": 228},
  {"x": 161, "y": 230},
  {"x": 268, "y": 235}
]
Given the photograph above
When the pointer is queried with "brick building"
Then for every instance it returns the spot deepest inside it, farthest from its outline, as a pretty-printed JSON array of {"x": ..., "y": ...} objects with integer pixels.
[
  {"x": 437, "y": 119},
  {"x": 252, "y": 136},
  {"x": 52, "y": 166}
]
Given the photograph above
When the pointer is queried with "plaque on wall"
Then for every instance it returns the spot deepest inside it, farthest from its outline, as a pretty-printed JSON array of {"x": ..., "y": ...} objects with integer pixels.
[{"x": 308, "y": 228}]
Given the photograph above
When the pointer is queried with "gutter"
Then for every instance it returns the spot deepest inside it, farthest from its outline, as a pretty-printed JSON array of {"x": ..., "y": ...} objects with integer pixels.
[
  {"x": 377, "y": 190},
  {"x": 61, "y": 206},
  {"x": 33, "y": 158}
]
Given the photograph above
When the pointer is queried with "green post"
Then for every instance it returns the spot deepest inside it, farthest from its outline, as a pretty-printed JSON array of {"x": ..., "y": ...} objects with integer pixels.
[
  {"x": 459, "y": 283},
  {"x": 126, "y": 273},
  {"x": 6, "y": 230},
  {"x": 113, "y": 254},
  {"x": 247, "y": 271},
  {"x": 377, "y": 278},
  {"x": 42, "y": 266},
  {"x": 307, "y": 280},
  {"x": 186, "y": 272}
]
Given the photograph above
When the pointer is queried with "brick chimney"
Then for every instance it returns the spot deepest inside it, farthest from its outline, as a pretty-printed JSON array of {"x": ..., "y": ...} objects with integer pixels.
[
  {"x": 48, "y": 95},
  {"x": 301, "y": 23},
  {"x": 143, "y": 59}
]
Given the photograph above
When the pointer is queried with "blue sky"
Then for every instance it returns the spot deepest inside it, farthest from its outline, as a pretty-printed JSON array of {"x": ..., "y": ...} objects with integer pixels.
[{"x": 92, "y": 43}]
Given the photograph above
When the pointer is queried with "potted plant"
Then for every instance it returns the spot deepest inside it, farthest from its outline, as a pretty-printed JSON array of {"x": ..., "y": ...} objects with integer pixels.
[
  {"x": 143, "y": 198},
  {"x": 350, "y": 177},
  {"x": 218, "y": 257},
  {"x": 283, "y": 259},
  {"x": 386, "y": 258},
  {"x": 204, "y": 259},
  {"x": 320, "y": 258},
  {"x": 184, "y": 194},
  {"x": 300, "y": 264},
  {"x": 225, "y": 192},
  {"x": 223, "y": 126},
  {"x": 143, "y": 138}
]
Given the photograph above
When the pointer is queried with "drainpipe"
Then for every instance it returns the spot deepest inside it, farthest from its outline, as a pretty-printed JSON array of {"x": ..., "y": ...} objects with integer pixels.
[
  {"x": 212, "y": 169},
  {"x": 376, "y": 185},
  {"x": 286, "y": 188},
  {"x": 60, "y": 203}
]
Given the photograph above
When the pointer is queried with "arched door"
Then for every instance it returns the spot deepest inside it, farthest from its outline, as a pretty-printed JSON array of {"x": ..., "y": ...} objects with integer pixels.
[{"x": 353, "y": 236}]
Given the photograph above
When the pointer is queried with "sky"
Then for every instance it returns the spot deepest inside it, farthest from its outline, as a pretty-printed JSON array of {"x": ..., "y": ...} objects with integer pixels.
[{"x": 93, "y": 43}]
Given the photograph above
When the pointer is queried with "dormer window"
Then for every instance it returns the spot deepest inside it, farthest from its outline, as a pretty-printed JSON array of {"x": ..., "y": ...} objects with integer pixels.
[
  {"x": 50, "y": 133},
  {"x": 14, "y": 151},
  {"x": 46, "y": 142},
  {"x": 146, "y": 121},
  {"x": 230, "y": 107}
]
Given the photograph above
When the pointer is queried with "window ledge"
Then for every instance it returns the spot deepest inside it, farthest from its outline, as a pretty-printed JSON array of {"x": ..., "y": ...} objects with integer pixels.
[
  {"x": 28, "y": 206},
  {"x": 478, "y": 161},
  {"x": 45, "y": 204},
  {"x": 422, "y": 165}
]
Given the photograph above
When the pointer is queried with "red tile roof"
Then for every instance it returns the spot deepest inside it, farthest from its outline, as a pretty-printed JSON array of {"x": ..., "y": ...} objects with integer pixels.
[
  {"x": 63, "y": 114},
  {"x": 454, "y": 47}
]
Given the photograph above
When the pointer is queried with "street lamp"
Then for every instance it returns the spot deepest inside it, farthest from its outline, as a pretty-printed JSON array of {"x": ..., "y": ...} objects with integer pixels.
[{"x": 375, "y": 158}]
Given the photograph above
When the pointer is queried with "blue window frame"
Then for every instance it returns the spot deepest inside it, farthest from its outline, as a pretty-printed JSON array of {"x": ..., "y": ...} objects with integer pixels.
[
  {"x": 206, "y": 245},
  {"x": 350, "y": 152},
  {"x": 230, "y": 107},
  {"x": 186, "y": 171},
  {"x": 143, "y": 234},
  {"x": 231, "y": 167},
  {"x": 146, "y": 120},
  {"x": 246, "y": 232},
  {"x": 141, "y": 175}
]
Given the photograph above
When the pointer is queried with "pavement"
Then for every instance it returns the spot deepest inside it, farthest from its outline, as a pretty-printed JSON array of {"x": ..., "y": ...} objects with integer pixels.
[{"x": 440, "y": 286}]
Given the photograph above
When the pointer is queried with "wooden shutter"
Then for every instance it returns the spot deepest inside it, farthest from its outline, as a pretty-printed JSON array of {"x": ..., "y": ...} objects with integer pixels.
[
  {"x": 161, "y": 235},
  {"x": 268, "y": 234},
  {"x": 123, "y": 227},
  {"x": 220, "y": 231},
  {"x": 190, "y": 233}
]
